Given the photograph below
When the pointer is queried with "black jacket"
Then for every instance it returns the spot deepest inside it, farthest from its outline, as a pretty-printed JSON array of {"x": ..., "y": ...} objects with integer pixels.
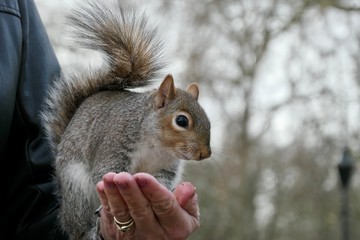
[{"x": 27, "y": 66}]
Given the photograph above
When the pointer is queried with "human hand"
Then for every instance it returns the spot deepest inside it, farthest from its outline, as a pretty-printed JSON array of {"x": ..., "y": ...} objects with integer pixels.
[{"x": 157, "y": 212}]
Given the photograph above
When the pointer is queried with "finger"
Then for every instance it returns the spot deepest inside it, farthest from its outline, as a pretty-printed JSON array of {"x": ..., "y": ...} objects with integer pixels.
[
  {"x": 116, "y": 203},
  {"x": 107, "y": 227},
  {"x": 139, "y": 207},
  {"x": 164, "y": 204},
  {"x": 103, "y": 199}
]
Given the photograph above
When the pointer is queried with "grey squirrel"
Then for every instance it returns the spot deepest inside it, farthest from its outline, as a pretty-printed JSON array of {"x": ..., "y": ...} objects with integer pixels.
[{"x": 95, "y": 123}]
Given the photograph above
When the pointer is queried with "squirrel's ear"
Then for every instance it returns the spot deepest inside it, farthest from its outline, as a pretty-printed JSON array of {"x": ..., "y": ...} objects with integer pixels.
[
  {"x": 166, "y": 92},
  {"x": 193, "y": 89}
]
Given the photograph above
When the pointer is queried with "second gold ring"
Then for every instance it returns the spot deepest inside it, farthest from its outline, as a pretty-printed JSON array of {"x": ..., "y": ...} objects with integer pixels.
[{"x": 124, "y": 226}]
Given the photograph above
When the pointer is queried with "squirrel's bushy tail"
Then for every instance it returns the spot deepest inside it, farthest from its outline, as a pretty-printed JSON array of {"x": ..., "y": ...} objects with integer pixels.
[
  {"x": 131, "y": 49},
  {"x": 129, "y": 43}
]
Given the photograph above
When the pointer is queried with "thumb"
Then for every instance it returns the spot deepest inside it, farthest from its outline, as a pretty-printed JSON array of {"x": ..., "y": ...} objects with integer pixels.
[
  {"x": 187, "y": 197},
  {"x": 192, "y": 207}
]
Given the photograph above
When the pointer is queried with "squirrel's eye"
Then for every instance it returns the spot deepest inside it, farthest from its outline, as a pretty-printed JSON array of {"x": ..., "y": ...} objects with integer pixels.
[{"x": 182, "y": 121}]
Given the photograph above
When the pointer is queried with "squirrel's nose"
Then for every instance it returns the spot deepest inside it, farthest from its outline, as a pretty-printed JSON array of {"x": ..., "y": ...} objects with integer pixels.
[{"x": 205, "y": 153}]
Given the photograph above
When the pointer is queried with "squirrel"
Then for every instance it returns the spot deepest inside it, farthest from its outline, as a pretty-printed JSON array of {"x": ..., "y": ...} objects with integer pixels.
[{"x": 96, "y": 123}]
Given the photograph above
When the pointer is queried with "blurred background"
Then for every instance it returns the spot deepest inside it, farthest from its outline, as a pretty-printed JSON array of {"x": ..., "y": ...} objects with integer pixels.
[{"x": 280, "y": 80}]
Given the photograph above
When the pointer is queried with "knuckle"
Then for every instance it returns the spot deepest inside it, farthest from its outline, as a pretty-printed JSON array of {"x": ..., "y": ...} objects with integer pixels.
[
  {"x": 120, "y": 214},
  {"x": 164, "y": 207},
  {"x": 141, "y": 214}
]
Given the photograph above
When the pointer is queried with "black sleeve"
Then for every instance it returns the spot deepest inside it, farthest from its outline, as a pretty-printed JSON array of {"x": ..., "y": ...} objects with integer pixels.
[
  {"x": 10, "y": 51},
  {"x": 28, "y": 65}
]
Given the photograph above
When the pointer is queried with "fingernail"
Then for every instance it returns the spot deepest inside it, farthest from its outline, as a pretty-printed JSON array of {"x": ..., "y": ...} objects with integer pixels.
[
  {"x": 123, "y": 185},
  {"x": 193, "y": 194},
  {"x": 142, "y": 183},
  {"x": 109, "y": 184}
]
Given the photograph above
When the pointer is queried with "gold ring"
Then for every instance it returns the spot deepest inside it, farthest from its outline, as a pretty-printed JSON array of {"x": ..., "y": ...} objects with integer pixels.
[{"x": 123, "y": 226}]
